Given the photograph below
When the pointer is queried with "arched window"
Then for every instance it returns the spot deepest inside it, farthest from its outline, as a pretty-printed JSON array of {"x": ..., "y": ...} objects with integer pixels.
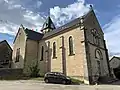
[
  {"x": 70, "y": 45},
  {"x": 54, "y": 50},
  {"x": 96, "y": 38},
  {"x": 17, "y": 55},
  {"x": 98, "y": 54},
  {"x": 42, "y": 53},
  {"x": 99, "y": 57}
]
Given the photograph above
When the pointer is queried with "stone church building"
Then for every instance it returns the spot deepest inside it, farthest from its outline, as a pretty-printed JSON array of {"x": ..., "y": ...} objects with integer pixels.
[{"x": 76, "y": 49}]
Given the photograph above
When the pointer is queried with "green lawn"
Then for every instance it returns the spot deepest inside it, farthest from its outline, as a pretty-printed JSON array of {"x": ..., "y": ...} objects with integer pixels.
[
  {"x": 76, "y": 81},
  {"x": 37, "y": 78}
]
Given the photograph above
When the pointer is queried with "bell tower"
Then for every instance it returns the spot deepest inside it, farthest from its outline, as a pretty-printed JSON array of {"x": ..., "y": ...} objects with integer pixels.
[{"x": 48, "y": 25}]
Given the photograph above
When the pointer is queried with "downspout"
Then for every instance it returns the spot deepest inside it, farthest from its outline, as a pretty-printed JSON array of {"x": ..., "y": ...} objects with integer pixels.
[{"x": 37, "y": 53}]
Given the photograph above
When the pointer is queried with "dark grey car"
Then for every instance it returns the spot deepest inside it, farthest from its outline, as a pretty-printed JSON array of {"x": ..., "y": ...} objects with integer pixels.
[{"x": 56, "y": 77}]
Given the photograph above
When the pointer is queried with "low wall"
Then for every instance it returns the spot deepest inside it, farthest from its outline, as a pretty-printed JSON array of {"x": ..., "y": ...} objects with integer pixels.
[{"x": 10, "y": 72}]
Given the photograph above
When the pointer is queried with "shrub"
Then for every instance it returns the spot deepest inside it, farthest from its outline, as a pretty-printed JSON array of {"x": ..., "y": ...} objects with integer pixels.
[{"x": 34, "y": 71}]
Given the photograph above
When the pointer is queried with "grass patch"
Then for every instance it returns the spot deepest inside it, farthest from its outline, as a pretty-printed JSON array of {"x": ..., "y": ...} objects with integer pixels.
[
  {"x": 76, "y": 81},
  {"x": 37, "y": 78}
]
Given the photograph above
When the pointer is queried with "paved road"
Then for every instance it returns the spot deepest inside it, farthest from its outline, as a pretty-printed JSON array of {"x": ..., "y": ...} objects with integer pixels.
[{"x": 37, "y": 85}]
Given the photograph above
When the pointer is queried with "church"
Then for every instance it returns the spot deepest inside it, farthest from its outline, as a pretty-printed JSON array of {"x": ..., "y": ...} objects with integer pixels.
[{"x": 76, "y": 49}]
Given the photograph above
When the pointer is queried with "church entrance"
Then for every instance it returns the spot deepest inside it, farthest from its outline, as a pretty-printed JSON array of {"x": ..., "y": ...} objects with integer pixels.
[
  {"x": 99, "y": 67},
  {"x": 98, "y": 59}
]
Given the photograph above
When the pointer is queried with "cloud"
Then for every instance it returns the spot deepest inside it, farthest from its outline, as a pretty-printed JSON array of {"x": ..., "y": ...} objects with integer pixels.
[
  {"x": 17, "y": 12},
  {"x": 7, "y": 37},
  {"x": 13, "y": 13},
  {"x": 112, "y": 35},
  {"x": 35, "y": 19},
  {"x": 39, "y": 3},
  {"x": 24, "y": 3},
  {"x": 8, "y": 27},
  {"x": 63, "y": 15},
  {"x": 26, "y": 12}
]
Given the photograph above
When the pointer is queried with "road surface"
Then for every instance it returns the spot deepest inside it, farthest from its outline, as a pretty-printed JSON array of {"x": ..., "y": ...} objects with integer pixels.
[{"x": 37, "y": 85}]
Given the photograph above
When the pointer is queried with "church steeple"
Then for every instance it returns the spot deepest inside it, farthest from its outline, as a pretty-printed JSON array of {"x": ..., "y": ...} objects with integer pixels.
[
  {"x": 48, "y": 25},
  {"x": 21, "y": 26}
]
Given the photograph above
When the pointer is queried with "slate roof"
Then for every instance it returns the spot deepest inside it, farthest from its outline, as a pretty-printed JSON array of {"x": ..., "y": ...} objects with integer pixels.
[
  {"x": 33, "y": 35},
  {"x": 38, "y": 36},
  {"x": 68, "y": 25},
  {"x": 118, "y": 58},
  {"x": 4, "y": 41},
  {"x": 114, "y": 57}
]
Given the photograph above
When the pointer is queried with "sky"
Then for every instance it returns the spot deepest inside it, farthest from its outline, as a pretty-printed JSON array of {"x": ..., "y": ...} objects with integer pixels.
[{"x": 33, "y": 13}]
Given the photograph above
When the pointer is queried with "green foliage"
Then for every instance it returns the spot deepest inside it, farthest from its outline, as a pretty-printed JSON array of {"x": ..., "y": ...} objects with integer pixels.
[
  {"x": 76, "y": 81},
  {"x": 34, "y": 71}
]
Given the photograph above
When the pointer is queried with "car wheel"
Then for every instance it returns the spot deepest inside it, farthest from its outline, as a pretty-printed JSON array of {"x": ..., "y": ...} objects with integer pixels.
[
  {"x": 46, "y": 81},
  {"x": 70, "y": 82},
  {"x": 63, "y": 82}
]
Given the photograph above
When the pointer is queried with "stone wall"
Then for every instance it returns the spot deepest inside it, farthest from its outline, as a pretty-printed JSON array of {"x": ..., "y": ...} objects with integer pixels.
[
  {"x": 73, "y": 63},
  {"x": 20, "y": 42},
  {"x": 95, "y": 41},
  {"x": 31, "y": 55},
  {"x": 5, "y": 55},
  {"x": 10, "y": 72}
]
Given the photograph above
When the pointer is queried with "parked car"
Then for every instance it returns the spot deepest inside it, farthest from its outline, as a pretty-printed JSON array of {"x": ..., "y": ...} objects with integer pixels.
[{"x": 56, "y": 77}]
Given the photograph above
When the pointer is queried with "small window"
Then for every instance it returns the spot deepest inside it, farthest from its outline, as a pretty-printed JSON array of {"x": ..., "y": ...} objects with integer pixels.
[
  {"x": 54, "y": 50},
  {"x": 70, "y": 46},
  {"x": 96, "y": 41},
  {"x": 96, "y": 38},
  {"x": 98, "y": 54},
  {"x": 42, "y": 53},
  {"x": 17, "y": 55}
]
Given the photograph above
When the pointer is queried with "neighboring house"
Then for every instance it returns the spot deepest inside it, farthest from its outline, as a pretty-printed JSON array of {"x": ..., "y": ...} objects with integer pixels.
[
  {"x": 5, "y": 54},
  {"x": 115, "y": 66},
  {"x": 76, "y": 49}
]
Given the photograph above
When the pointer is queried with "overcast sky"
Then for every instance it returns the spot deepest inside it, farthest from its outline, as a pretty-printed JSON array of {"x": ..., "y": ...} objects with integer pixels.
[{"x": 32, "y": 14}]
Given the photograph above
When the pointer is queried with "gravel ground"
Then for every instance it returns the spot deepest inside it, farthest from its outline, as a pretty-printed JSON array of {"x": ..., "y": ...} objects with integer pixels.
[{"x": 38, "y": 85}]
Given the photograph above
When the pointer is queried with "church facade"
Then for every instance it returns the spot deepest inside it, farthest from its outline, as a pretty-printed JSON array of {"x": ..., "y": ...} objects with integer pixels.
[{"x": 76, "y": 49}]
